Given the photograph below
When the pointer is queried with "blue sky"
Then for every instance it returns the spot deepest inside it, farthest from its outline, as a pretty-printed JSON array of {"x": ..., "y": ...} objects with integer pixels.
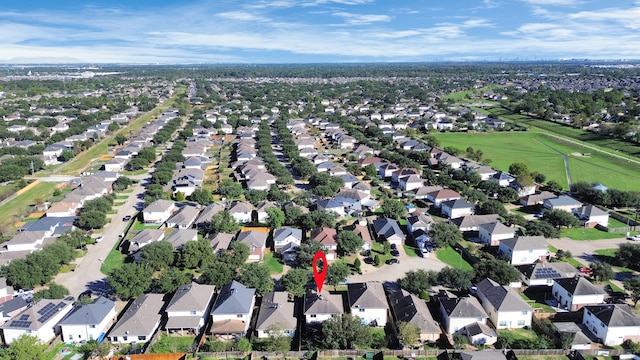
[{"x": 303, "y": 31}]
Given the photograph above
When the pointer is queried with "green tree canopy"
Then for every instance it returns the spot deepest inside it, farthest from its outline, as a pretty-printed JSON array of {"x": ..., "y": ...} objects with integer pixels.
[
  {"x": 336, "y": 273},
  {"x": 276, "y": 217},
  {"x": 393, "y": 208},
  {"x": 349, "y": 241},
  {"x": 25, "y": 347},
  {"x": 294, "y": 281},
  {"x": 194, "y": 253},
  {"x": 417, "y": 281},
  {"x": 170, "y": 280},
  {"x": 445, "y": 234},
  {"x": 455, "y": 278},
  {"x": 497, "y": 270},
  {"x": 157, "y": 255},
  {"x": 256, "y": 275},
  {"x": 345, "y": 332},
  {"x": 130, "y": 280}
]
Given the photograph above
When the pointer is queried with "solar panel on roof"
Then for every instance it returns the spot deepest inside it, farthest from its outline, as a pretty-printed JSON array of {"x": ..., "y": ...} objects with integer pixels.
[
  {"x": 24, "y": 317},
  {"x": 45, "y": 309},
  {"x": 20, "y": 324}
]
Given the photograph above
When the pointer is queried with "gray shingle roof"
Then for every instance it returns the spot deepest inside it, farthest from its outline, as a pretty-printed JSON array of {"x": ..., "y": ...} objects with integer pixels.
[
  {"x": 465, "y": 307},
  {"x": 410, "y": 308},
  {"x": 323, "y": 303},
  {"x": 141, "y": 317},
  {"x": 234, "y": 298},
  {"x": 89, "y": 314},
  {"x": 276, "y": 309},
  {"x": 614, "y": 315},
  {"x": 501, "y": 297},
  {"x": 367, "y": 295},
  {"x": 579, "y": 286},
  {"x": 522, "y": 243},
  {"x": 192, "y": 296}
]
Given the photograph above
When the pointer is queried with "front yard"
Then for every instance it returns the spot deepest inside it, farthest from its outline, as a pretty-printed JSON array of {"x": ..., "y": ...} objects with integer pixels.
[{"x": 452, "y": 258}]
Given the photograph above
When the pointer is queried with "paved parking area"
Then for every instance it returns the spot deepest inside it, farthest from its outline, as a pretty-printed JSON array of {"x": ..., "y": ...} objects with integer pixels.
[{"x": 396, "y": 271}]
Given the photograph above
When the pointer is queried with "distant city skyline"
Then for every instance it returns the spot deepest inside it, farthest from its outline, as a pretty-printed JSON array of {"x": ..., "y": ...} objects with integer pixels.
[{"x": 317, "y": 31}]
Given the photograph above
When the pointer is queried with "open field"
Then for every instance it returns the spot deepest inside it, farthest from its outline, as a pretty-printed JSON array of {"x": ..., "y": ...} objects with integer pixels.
[
  {"x": 452, "y": 258},
  {"x": 534, "y": 148},
  {"x": 14, "y": 209}
]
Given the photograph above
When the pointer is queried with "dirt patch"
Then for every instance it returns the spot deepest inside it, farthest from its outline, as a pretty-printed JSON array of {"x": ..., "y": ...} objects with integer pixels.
[{"x": 578, "y": 154}]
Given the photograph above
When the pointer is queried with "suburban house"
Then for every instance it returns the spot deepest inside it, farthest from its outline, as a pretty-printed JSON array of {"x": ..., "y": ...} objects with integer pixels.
[
  {"x": 321, "y": 307},
  {"x": 256, "y": 240},
  {"x": 387, "y": 229},
  {"x": 10, "y": 308},
  {"x": 454, "y": 209},
  {"x": 574, "y": 293},
  {"x": 179, "y": 237},
  {"x": 143, "y": 238},
  {"x": 418, "y": 220},
  {"x": 410, "y": 182},
  {"x": 439, "y": 196},
  {"x": 367, "y": 301},
  {"x": 537, "y": 199},
  {"x": 459, "y": 312},
  {"x": 612, "y": 324},
  {"x": 89, "y": 321},
  {"x": 241, "y": 211},
  {"x": 63, "y": 209},
  {"x": 140, "y": 321},
  {"x": 232, "y": 310},
  {"x": 473, "y": 222},
  {"x": 330, "y": 205},
  {"x": 591, "y": 216},
  {"x": 562, "y": 202},
  {"x": 327, "y": 237},
  {"x": 361, "y": 229},
  {"x": 6, "y": 291},
  {"x": 351, "y": 199},
  {"x": 158, "y": 211},
  {"x": 492, "y": 233},
  {"x": 220, "y": 241},
  {"x": 207, "y": 213},
  {"x": 188, "y": 309},
  {"x": 184, "y": 218},
  {"x": 276, "y": 312},
  {"x": 39, "y": 320},
  {"x": 407, "y": 307},
  {"x": 544, "y": 273},
  {"x": 506, "y": 308},
  {"x": 285, "y": 241},
  {"x": 524, "y": 249}
]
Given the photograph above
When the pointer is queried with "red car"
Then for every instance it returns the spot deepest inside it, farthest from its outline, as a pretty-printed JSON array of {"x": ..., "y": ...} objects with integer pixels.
[{"x": 584, "y": 270}]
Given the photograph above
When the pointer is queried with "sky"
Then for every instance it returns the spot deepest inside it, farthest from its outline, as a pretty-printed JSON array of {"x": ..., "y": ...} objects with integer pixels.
[{"x": 317, "y": 31}]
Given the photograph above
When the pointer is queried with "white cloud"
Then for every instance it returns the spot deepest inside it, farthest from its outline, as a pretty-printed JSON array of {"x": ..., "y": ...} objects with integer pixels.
[
  {"x": 241, "y": 16},
  {"x": 361, "y": 19},
  {"x": 554, "y": 2}
]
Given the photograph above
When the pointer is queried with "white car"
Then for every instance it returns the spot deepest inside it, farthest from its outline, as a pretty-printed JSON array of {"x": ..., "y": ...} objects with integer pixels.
[{"x": 634, "y": 237}]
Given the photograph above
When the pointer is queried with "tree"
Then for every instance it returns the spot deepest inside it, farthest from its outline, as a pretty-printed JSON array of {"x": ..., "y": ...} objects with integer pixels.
[
  {"x": 66, "y": 155},
  {"x": 120, "y": 139},
  {"x": 345, "y": 332},
  {"x": 517, "y": 169},
  {"x": 507, "y": 195},
  {"x": 316, "y": 219},
  {"x": 602, "y": 271},
  {"x": 277, "y": 340},
  {"x": 393, "y": 208},
  {"x": 255, "y": 196},
  {"x": 632, "y": 285},
  {"x": 194, "y": 253},
  {"x": 217, "y": 273},
  {"x": 93, "y": 349},
  {"x": 563, "y": 255},
  {"x": 242, "y": 344},
  {"x": 408, "y": 333},
  {"x": 443, "y": 234},
  {"x": 337, "y": 273},
  {"x": 294, "y": 281},
  {"x": 157, "y": 255},
  {"x": 419, "y": 280},
  {"x": 553, "y": 186},
  {"x": 370, "y": 172},
  {"x": 222, "y": 222},
  {"x": 541, "y": 228},
  {"x": 54, "y": 291},
  {"x": 122, "y": 183},
  {"x": 257, "y": 276},
  {"x": 497, "y": 270},
  {"x": 275, "y": 218},
  {"x": 306, "y": 252},
  {"x": 230, "y": 189},
  {"x": 201, "y": 196},
  {"x": 92, "y": 219},
  {"x": 170, "y": 280},
  {"x": 492, "y": 207},
  {"x": 236, "y": 255},
  {"x": 277, "y": 195},
  {"x": 130, "y": 280},
  {"x": 455, "y": 278},
  {"x": 626, "y": 255},
  {"x": 25, "y": 347},
  {"x": 349, "y": 241},
  {"x": 560, "y": 218}
]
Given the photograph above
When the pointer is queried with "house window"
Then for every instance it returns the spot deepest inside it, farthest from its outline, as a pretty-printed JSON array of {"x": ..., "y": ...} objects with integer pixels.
[
  {"x": 90, "y": 337},
  {"x": 525, "y": 312},
  {"x": 92, "y": 326},
  {"x": 70, "y": 337},
  {"x": 520, "y": 322},
  {"x": 125, "y": 338},
  {"x": 360, "y": 310},
  {"x": 479, "y": 319},
  {"x": 502, "y": 323},
  {"x": 239, "y": 316},
  {"x": 193, "y": 312},
  {"x": 142, "y": 338}
]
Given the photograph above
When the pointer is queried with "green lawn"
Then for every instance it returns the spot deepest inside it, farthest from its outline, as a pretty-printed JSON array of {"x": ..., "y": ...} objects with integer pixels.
[
  {"x": 606, "y": 252},
  {"x": 114, "y": 260},
  {"x": 533, "y": 148},
  {"x": 172, "y": 344},
  {"x": 378, "y": 250},
  {"x": 17, "y": 207},
  {"x": 535, "y": 305},
  {"x": 275, "y": 267},
  {"x": 452, "y": 258},
  {"x": 411, "y": 251},
  {"x": 589, "y": 234},
  {"x": 517, "y": 334}
]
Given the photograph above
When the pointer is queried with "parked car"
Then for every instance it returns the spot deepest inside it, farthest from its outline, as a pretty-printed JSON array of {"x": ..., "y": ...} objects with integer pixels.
[
  {"x": 634, "y": 237},
  {"x": 392, "y": 261},
  {"x": 395, "y": 252},
  {"x": 368, "y": 260},
  {"x": 584, "y": 270},
  {"x": 126, "y": 218},
  {"x": 366, "y": 253},
  {"x": 394, "y": 247}
]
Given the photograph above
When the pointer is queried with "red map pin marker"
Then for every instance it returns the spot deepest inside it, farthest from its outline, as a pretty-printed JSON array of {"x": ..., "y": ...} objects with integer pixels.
[{"x": 319, "y": 276}]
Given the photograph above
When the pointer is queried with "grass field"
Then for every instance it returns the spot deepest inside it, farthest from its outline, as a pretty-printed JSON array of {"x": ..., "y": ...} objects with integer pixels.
[
  {"x": 452, "y": 258},
  {"x": 534, "y": 148},
  {"x": 589, "y": 234},
  {"x": 14, "y": 209},
  {"x": 275, "y": 267}
]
